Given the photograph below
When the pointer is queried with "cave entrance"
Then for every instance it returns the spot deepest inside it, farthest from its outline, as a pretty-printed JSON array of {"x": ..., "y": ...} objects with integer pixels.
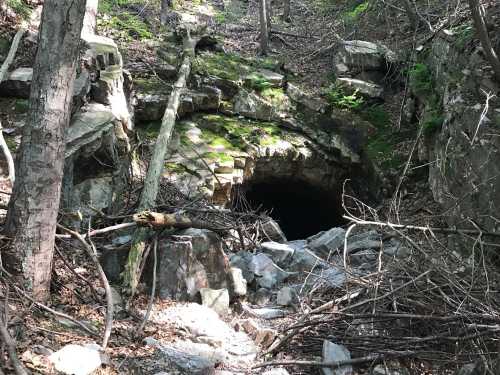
[{"x": 300, "y": 208}]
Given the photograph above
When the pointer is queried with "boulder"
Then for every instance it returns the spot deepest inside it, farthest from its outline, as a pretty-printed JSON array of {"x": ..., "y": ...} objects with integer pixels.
[
  {"x": 335, "y": 353},
  {"x": 267, "y": 273},
  {"x": 207, "y": 98},
  {"x": 304, "y": 260},
  {"x": 367, "y": 89},
  {"x": 228, "y": 88},
  {"x": 189, "y": 262},
  {"x": 308, "y": 101},
  {"x": 327, "y": 243},
  {"x": 262, "y": 297},
  {"x": 87, "y": 129},
  {"x": 216, "y": 299},
  {"x": 251, "y": 105},
  {"x": 390, "y": 368},
  {"x": 94, "y": 192},
  {"x": 150, "y": 106},
  {"x": 77, "y": 359},
  {"x": 17, "y": 84},
  {"x": 361, "y": 55}
]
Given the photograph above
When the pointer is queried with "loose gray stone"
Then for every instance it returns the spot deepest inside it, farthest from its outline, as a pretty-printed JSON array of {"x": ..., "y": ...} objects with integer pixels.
[
  {"x": 17, "y": 84},
  {"x": 278, "y": 252},
  {"x": 216, "y": 299},
  {"x": 335, "y": 353},
  {"x": 368, "y": 89},
  {"x": 262, "y": 297},
  {"x": 287, "y": 296},
  {"x": 242, "y": 261},
  {"x": 276, "y": 371},
  {"x": 266, "y": 312},
  {"x": 268, "y": 274},
  {"x": 272, "y": 230},
  {"x": 327, "y": 243},
  {"x": 304, "y": 260}
]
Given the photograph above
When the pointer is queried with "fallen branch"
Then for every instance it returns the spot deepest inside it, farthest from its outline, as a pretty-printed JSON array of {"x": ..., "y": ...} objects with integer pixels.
[
  {"x": 100, "y": 231},
  {"x": 3, "y": 72},
  {"x": 91, "y": 251},
  {"x": 149, "y": 193},
  {"x": 337, "y": 364},
  {"x": 157, "y": 220},
  {"x": 153, "y": 288},
  {"x": 421, "y": 228}
]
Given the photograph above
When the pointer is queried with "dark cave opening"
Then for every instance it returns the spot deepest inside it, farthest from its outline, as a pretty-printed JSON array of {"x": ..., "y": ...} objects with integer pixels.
[{"x": 300, "y": 208}]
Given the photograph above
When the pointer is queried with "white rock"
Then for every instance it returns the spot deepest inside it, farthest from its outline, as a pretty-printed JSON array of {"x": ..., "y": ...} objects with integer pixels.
[
  {"x": 216, "y": 299},
  {"x": 77, "y": 359},
  {"x": 239, "y": 284},
  {"x": 335, "y": 353}
]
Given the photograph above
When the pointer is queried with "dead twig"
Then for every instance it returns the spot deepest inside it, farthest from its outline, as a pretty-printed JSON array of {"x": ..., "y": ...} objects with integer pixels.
[
  {"x": 11, "y": 349},
  {"x": 91, "y": 251}
]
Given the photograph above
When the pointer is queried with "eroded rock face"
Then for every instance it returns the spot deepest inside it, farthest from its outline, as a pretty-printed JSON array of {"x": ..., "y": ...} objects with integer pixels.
[{"x": 464, "y": 173}]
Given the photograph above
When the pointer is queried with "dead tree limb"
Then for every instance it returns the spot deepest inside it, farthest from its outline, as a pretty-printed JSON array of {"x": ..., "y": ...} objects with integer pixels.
[
  {"x": 153, "y": 288},
  {"x": 131, "y": 274},
  {"x": 3, "y": 72},
  {"x": 157, "y": 220},
  {"x": 91, "y": 251},
  {"x": 482, "y": 32},
  {"x": 11, "y": 349}
]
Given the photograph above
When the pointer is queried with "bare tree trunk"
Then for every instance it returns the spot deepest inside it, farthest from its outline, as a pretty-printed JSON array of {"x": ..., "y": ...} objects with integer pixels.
[
  {"x": 269, "y": 14},
  {"x": 411, "y": 13},
  {"x": 149, "y": 193},
  {"x": 166, "y": 6},
  {"x": 264, "y": 29},
  {"x": 90, "y": 18},
  {"x": 286, "y": 11},
  {"x": 482, "y": 31},
  {"x": 33, "y": 208}
]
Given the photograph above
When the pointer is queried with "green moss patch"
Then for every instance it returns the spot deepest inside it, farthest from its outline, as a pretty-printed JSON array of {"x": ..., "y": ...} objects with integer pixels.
[{"x": 152, "y": 85}]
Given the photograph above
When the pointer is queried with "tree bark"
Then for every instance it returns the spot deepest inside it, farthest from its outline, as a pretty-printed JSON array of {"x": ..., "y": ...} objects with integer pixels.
[
  {"x": 286, "y": 11},
  {"x": 411, "y": 13},
  {"x": 482, "y": 32},
  {"x": 166, "y": 5},
  {"x": 34, "y": 205},
  {"x": 264, "y": 30},
  {"x": 149, "y": 193}
]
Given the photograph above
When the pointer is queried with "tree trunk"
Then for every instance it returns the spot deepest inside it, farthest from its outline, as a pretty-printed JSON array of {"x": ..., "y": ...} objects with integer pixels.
[
  {"x": 149, "y": 193},
  {"x": 286, "y": 11},
  {"x": 482, "y": 32},
  {"x": 411, "y": 13},
  {"x": 33, "y": 208},
  {"x": 269, "y": 14},
  {"x": 166, "y": 5},
  {"x": 90, "y": 18},
  {"x": 264, "y": 30}
]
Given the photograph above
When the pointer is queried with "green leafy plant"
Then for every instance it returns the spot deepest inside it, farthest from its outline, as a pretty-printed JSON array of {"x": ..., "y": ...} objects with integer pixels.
[
  {"x": 376, "y": 115},
  {"x": 354, "y": 14},
  {"x": 421, "y": 80},
  {"x": 20, "y": 8},
  {"x": 337, "y": 97},
  {"x": 257, "y": 82}
]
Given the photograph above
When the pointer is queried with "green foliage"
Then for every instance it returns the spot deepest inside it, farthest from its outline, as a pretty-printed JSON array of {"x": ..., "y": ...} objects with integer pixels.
[
  {"x": 376, "y": 115},
  {"x": 20, "y": 7},
  {"x": 421, "y": 80},
  {"x": 231, "y": 66},
  {"x": 433, "y": 121},
  {"x": 21, "y": 105},
  {"x": 337, "y": 97},
  {"x": 257, "y": 82},
  {"x": 150, "y": 130},
  {"x": 116, "y": 16},
  {"x": 463, "y": 35},
  {"x": 354, "y": 14}
]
